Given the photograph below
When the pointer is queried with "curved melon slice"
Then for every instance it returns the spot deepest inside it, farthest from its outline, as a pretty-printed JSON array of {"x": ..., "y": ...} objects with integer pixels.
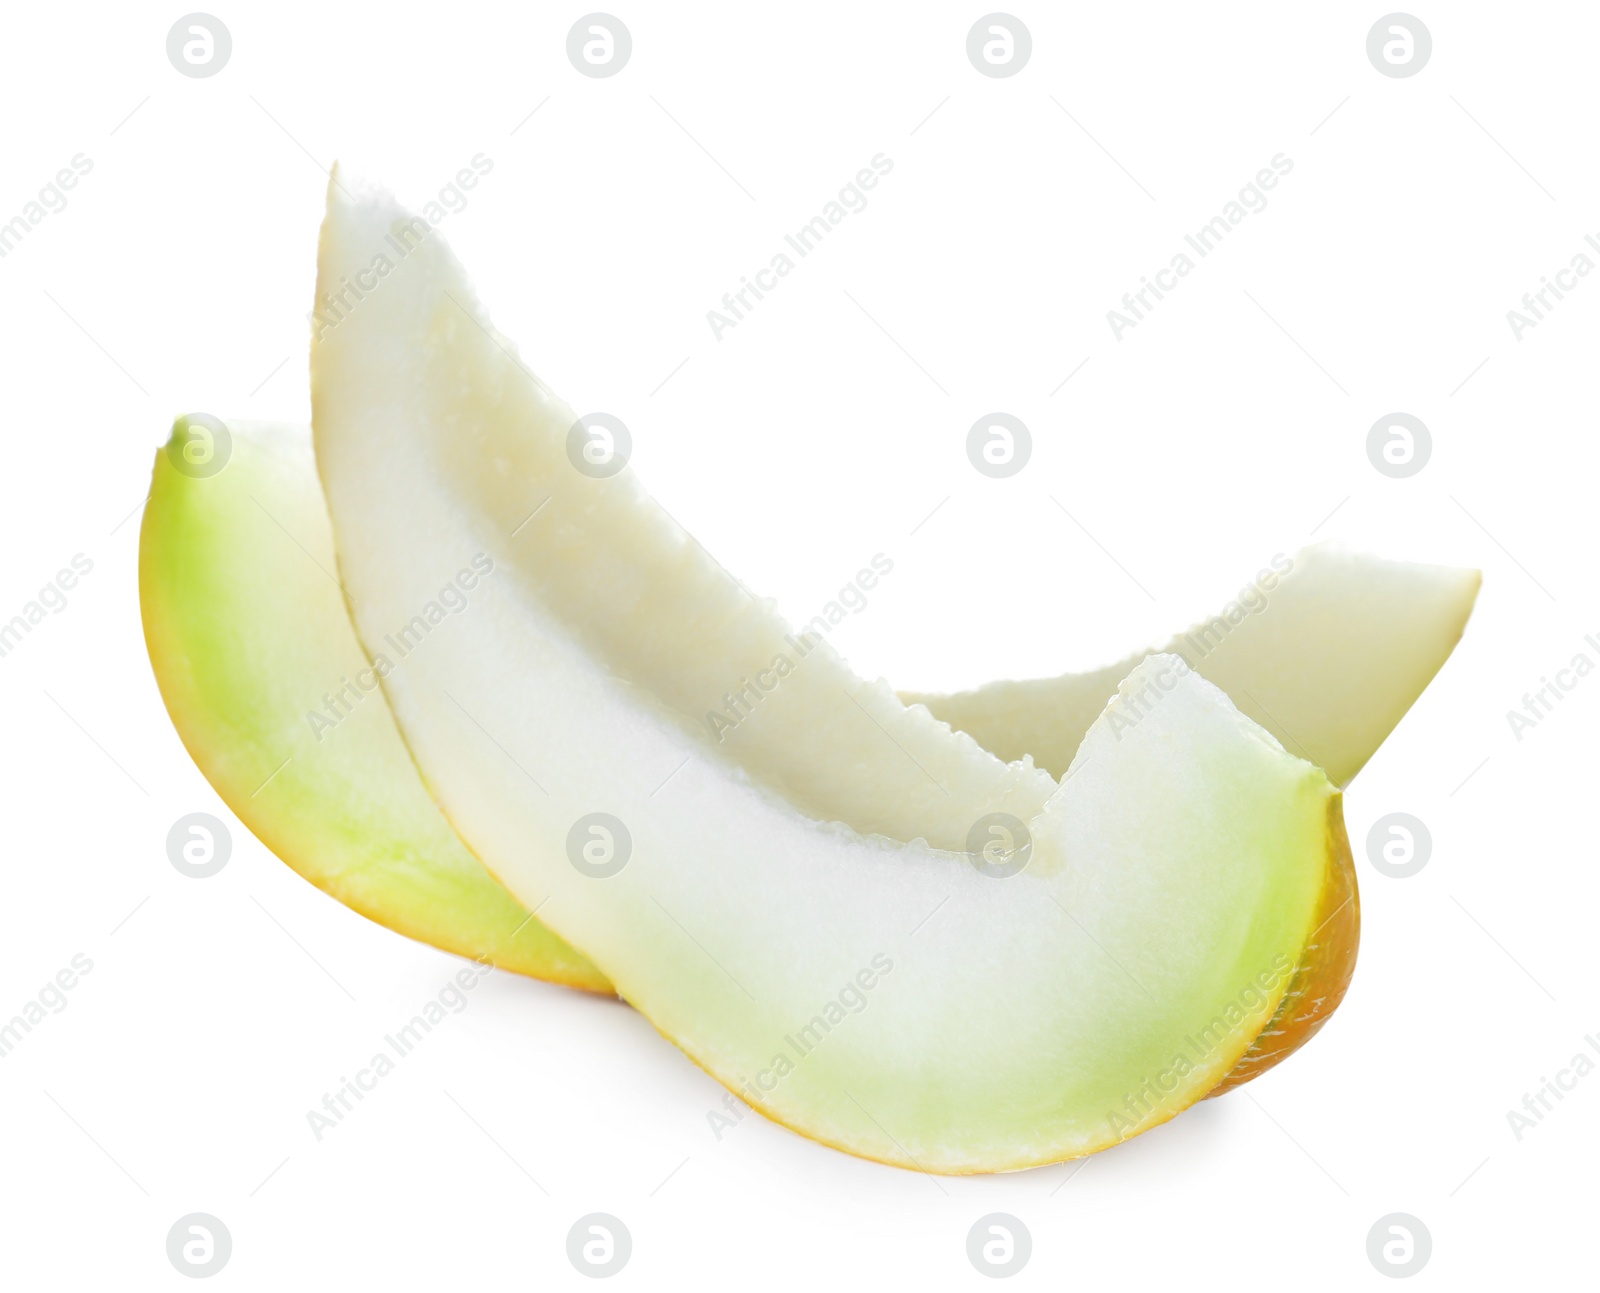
[
  {"x": 1327, "y": 652},
  {"x": 1172, "y": 882},
  {"x": 249, "y": 639}
]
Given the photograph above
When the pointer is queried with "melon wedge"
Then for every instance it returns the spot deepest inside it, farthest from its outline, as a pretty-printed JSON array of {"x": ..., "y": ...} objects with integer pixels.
[
  {"x": 1326, "y": 650},
  {"x": 249, "y": 639},
  {"x": 1172, "y": 881}
]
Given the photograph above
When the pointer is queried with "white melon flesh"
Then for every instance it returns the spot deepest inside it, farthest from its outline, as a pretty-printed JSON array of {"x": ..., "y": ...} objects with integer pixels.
[
  {"x": 858, "y": 978},
  {"x": 1326, "y": 650},
  {"x": 628, "y": 582}
]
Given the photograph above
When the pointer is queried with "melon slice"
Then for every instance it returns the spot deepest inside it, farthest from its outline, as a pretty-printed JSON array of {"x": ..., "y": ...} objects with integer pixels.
[
  {"x": 269, "y": 689},
  {"x": 1167, "y": 888},
  {"x": 1326, "y": 650}
]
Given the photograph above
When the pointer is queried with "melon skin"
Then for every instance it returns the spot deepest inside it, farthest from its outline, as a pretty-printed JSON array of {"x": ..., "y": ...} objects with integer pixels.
[{"x": 1322, "y": 975}]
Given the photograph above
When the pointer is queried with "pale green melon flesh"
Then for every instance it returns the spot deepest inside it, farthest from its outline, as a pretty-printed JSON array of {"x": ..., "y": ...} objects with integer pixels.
[
  {"x": 1174, "y": 874},
  {"x": 1327, "y": 650},
  {"x": 248, "y": 636}
]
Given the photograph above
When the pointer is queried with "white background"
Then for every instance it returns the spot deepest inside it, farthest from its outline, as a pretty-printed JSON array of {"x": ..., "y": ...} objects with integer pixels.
[{"x": 1226, "y": 427}]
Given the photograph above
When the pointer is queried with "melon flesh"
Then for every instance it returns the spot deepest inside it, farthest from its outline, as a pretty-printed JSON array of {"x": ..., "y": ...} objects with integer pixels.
[
  {"x": 1327, "y": 656},
  {"x": 1176, "y": 874}
]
